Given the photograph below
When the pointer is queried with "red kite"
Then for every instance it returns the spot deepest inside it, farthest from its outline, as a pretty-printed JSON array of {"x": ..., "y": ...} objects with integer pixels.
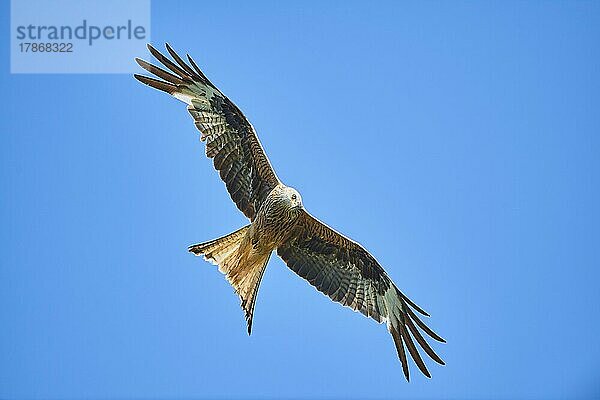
[{"x": 334, "y": 264}]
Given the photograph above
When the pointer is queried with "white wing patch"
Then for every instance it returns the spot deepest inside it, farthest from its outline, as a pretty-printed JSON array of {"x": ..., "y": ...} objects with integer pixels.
[{"x": 186, "y": 98}]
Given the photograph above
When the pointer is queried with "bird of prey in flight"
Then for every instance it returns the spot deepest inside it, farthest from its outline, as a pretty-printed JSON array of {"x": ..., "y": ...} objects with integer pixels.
[{"x": 334, "y": 264}]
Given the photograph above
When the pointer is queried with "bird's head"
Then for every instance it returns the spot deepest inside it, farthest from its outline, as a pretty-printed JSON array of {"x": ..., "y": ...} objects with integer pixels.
[{"x": 293, "y": 198}]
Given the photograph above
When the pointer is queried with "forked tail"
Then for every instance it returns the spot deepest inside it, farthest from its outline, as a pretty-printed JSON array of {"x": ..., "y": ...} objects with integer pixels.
[{"x": 242, "y": 268}]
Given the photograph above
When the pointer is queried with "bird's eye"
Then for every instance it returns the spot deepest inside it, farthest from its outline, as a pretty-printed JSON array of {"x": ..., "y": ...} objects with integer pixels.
[{"x": 293, "y": 197}]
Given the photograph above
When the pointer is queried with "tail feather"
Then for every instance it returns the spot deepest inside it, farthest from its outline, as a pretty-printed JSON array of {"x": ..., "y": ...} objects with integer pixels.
[
  {"x": 242, "y": 268},
  {"x": 252, "y": 282},
  {"x": 218, "y": 251}
]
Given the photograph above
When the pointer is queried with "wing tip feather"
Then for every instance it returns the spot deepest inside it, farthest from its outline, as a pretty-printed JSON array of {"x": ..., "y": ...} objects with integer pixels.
[{"x": 156, "y": 84}]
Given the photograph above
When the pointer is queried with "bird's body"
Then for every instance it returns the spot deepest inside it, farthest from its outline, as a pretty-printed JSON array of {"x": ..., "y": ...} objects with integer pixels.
[
  {"x": 337, "y": 266},
  {"x": 276, "y": 218}
]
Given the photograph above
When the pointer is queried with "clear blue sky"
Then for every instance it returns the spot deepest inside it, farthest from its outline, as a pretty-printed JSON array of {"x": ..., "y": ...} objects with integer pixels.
[{"x": 459, "y": 142}]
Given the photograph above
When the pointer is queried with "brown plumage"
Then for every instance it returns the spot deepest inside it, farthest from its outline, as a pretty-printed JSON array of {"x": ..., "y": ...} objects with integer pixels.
[{"x": 335, "y": 265}]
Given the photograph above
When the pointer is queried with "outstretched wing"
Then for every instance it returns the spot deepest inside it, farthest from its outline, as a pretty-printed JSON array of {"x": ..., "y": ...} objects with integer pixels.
[
  {"x": 347, "y": 273},
  {"x": 230, "y": 139}
]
